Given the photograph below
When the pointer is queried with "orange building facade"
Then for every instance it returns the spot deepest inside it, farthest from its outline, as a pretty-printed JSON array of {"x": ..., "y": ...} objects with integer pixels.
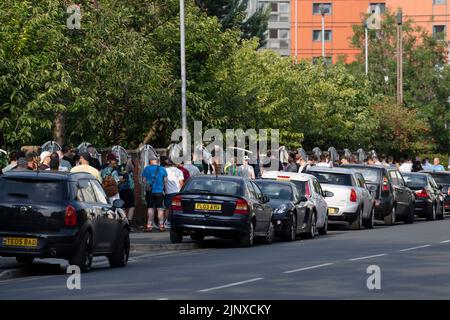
[{"x": 341, "y": 15}]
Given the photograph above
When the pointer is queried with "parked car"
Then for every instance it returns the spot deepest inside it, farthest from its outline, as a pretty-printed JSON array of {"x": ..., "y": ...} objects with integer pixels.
[
  {"x": 311, "y": 214},
  {"x": 394, "y": 201},
  {"x": 221, "y": 206},
  {"x": 60, "y": 215},
  {"x": 429, "y": 198},
  {"x": 442, "y": 178},
  {"x": 351, "y": 201}
]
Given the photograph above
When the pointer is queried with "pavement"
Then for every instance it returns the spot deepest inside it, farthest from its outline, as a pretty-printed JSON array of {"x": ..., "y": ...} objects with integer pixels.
[{"x": 413, "y": 261}]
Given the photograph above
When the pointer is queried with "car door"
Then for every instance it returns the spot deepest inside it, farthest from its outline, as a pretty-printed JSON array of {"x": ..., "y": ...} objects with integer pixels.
[
  {"x": 86, "y": 195},
  {"x": 403, "y": 193},
  {"x": 266, "y": 207},
  {"x": 321, "y": 204},
  {"x": 436, "y": 193},
  {"x": 365, "y": 194},
  {"x": 110, "y": 219},
  {"x": 258, "y": 208}
]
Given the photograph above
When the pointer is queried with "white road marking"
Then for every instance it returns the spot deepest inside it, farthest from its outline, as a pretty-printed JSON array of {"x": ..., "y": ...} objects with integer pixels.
[
  {"x": 309, "y": 268},
  {"x": 230, "y": 285},
  {"x": 368, "y": 257},
  {"x": 446, "y": 241},
  {"x": 414, "y": 248}
]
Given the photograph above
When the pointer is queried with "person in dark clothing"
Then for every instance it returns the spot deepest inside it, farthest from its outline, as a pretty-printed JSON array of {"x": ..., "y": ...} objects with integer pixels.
[
  {"x": 93, "y": 161},
  {"x": 68, "y": 155},
  {"x": 417, "y": 166}
]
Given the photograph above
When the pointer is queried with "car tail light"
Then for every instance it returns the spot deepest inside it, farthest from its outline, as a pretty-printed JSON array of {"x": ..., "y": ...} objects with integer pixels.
[
  {"x": 241, "y": 207},
  {"x": 385, "y": 184},
  {"x": 307, "y": 191},
  {"x": 353, "y": 197},
  {"x": 70, "y": 218},
  {"x": 448, "y": 191},
  {"x": 176, "y": 203},
  {"x": 422, "y": 193}
]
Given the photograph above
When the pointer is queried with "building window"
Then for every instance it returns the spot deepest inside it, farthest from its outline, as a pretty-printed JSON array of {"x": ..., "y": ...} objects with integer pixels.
[
  {"x": 328, "y": 60},
  {"x": 273, "y": 33},
  {"x": 317, "y": 35},
  {"x": 439, "y": 1},
  {"x": 326, "y": 6},
  {"x": 374, "y": 5},
  {"x": 283, "y": 34},
  {"x": 274, "y": 7},
  {"x": 279, "y": 12},
  {"x": 439, "y": 32}
]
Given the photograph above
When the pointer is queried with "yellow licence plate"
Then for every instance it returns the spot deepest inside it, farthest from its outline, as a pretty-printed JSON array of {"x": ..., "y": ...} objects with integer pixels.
[
  {"x": 20, "y": 242},
  {"x": 332, "y": 211},
  {"x": 208, "y": 207}
]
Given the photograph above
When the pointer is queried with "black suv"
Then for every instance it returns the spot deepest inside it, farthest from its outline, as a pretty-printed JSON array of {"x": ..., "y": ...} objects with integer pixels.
[
  {"x": 60, "y": 215},
  {"x": 393, "y": 199}
]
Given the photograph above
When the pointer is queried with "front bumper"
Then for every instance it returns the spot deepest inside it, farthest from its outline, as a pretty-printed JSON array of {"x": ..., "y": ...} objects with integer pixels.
[{"x": 60, "y": 245}]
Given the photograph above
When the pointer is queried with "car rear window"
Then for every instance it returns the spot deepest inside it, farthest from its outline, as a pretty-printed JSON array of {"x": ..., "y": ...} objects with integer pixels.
[
  {"x": 340, "y": 179},
  {"x": 415, "y": 181},
  {"x": 301, "y": 185},
  {"x": 276, "y": 190},
  {"x": 442, "y": 178},
  {"x": 31, "y": 189},
  {"x": 214, "y": 186}
]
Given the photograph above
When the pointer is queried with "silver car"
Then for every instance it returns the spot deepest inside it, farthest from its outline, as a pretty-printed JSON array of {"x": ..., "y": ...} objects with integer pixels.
[{"x": 351, "y": 202}]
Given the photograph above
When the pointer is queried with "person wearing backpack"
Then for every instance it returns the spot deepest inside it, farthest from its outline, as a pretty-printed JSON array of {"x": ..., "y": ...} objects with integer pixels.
[
  {"x": 111, "y": 178},
  {"x": 154, "y": 177}
]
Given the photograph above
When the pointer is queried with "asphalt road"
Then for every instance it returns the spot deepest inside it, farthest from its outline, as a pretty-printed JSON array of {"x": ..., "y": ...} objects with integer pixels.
[{"x": 414, "y": 262}]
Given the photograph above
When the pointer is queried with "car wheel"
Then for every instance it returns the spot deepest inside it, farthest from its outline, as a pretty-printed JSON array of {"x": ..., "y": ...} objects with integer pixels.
[
  {"x": 292, "y": 230},
  {"x": 390, "y": 218},
  {"x": 84, "y": 255},
  {"x": 369, "y": 223},
  {"x": 311, "y": 234},
  {"x": 432, "y": 215},
  {"x": 324, "y": 230},
  {"x": 176, "y": 236},
  {"x": 197, "y": 237},
  {"x": 26, "y": 260},
  {"x": 248, "y": 239},
  {"x": 442, "y": 215},
  {"x": 357, "y": 224},
  {"x": 410, "y": 216},
  {"x": 119, "y": 258},
  {"x": 268, "y": 239}
]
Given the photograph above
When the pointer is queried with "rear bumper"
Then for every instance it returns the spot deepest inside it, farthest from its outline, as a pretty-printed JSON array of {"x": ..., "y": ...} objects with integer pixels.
[
  {"x": 383, "y": 207},
  {"x": 347, "y": 213},
  {"x": 226, "y": 226},
  {"x": 344, "y": 217},
  {"x": 62, "y": 245},
  {"x": 447, "y": 204},
  {"x": 422, "y": 207}
]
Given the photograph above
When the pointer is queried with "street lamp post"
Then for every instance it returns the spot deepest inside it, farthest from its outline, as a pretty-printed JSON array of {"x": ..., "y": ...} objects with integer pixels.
[
  {"x": 322, "y": 12},
  {"x": 366, "y": 48},
  {"x": 183, "y": 79}
]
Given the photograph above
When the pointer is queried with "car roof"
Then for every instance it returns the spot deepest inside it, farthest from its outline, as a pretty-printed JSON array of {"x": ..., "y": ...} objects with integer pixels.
[
  {"x": 331, "y": 170},
  {"x": 437, "y": 172},
  {"x": 296, "y": 176},
  {"x": 424, "y": 174},
  {"x": 50, "y": 175},
  {"x": 369, "y": 166},
  {"x": 218, "y": 177},
  {"x": 276, "y": 182}
]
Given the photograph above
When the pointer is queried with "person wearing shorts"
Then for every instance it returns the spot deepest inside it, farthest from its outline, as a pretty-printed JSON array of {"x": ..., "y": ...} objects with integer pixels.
[
  {"x": 155, "y": 176},
  {"x": 173, "y": 184}
]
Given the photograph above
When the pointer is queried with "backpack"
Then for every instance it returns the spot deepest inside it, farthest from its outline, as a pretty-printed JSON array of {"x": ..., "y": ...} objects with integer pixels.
[{"x": 110, "y": 186}]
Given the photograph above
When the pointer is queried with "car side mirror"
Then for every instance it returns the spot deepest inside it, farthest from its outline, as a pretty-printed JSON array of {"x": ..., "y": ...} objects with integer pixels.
[
  {"x": 265, "y": 199},
  {"x": 118, "y": 203},
  {"x": 328, "y": 194}
]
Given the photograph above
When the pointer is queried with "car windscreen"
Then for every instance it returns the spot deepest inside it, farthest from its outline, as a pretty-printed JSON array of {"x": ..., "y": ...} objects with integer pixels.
[
  {"x": 415, "y": 181},
  {"x": 340, "y": 179},
  {"x": 301, "y": 185},
  {"x": 370, "y": 175},
  {"x": 276, "y": 190},
  {"x": 31, "y": 189},
  {"x": 442, "y": 178},
  {"x": 213, "y": 186}
]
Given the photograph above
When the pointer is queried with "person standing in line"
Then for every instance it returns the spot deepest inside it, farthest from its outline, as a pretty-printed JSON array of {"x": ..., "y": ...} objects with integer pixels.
[
  {"x": 111, "y": 178},
  {"x": 64, "y": 164},
  {"x": 437, "y": 166},
  {"x": 93, "y": 162},
  {"x": 68, "y": 156},
  {"x": 32, "y": 162},
  {"x": 174, "y": 182},
  {"x": 323, "y": 161},
  {"x": 126, "y": 190},
  {"x": 45, "y": 160},
  {"x": 185, "y": 171},
  {"x": 154, "y": 177},
  {"x": 232, "y": 169},
  {"x": 344, "y": 161},
  {"x": 247, "y": 170},
  {"x": 193, "y": 170},
  {"x": 13, "y": 158},
  {"x": 85, "y": 167}
]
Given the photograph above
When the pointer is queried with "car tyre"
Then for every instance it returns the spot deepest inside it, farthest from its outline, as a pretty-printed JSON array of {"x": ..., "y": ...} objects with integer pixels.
[
  {"x": 84, "y": 255},
  {"x": 370, "y": 222},
  {"x": 176, "y": 236},
  {"x": 292, "y": 230},
  {"x": 197, "y": 237},
  {"x": 442, "y": 215},
  {"x": 357, "y": 224},
  {"x": 268, "y": 239},
  {"x": 248, "y": 239},
  {"x": 25, "y": 260},
  {"x": 311, "y": 234},
  {"x": 390, "y": 218},
  {"x": 119, "y": 258},
  {"x": 410, "y": 216},
  {"x": 324, "y": 230},
  {"x": 432, "y": 215}
]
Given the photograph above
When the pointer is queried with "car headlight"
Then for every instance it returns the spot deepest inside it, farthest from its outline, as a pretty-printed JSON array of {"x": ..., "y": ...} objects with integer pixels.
[{"x": 282, "y": 208}]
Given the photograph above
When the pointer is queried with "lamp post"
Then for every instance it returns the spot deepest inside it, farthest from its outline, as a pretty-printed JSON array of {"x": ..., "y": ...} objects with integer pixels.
[
  {"x": 183, "y": 79},
  {"x": 323, "y": 12},
  {"x": 366, "y": 40}
]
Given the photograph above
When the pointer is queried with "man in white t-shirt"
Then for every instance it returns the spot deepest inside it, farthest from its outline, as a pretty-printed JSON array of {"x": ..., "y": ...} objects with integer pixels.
[{"x": 173, "y": 184}]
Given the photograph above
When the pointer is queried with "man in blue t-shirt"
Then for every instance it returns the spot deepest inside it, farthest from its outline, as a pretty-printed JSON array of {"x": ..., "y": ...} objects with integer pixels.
[{"x": 154, "y": 176}]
